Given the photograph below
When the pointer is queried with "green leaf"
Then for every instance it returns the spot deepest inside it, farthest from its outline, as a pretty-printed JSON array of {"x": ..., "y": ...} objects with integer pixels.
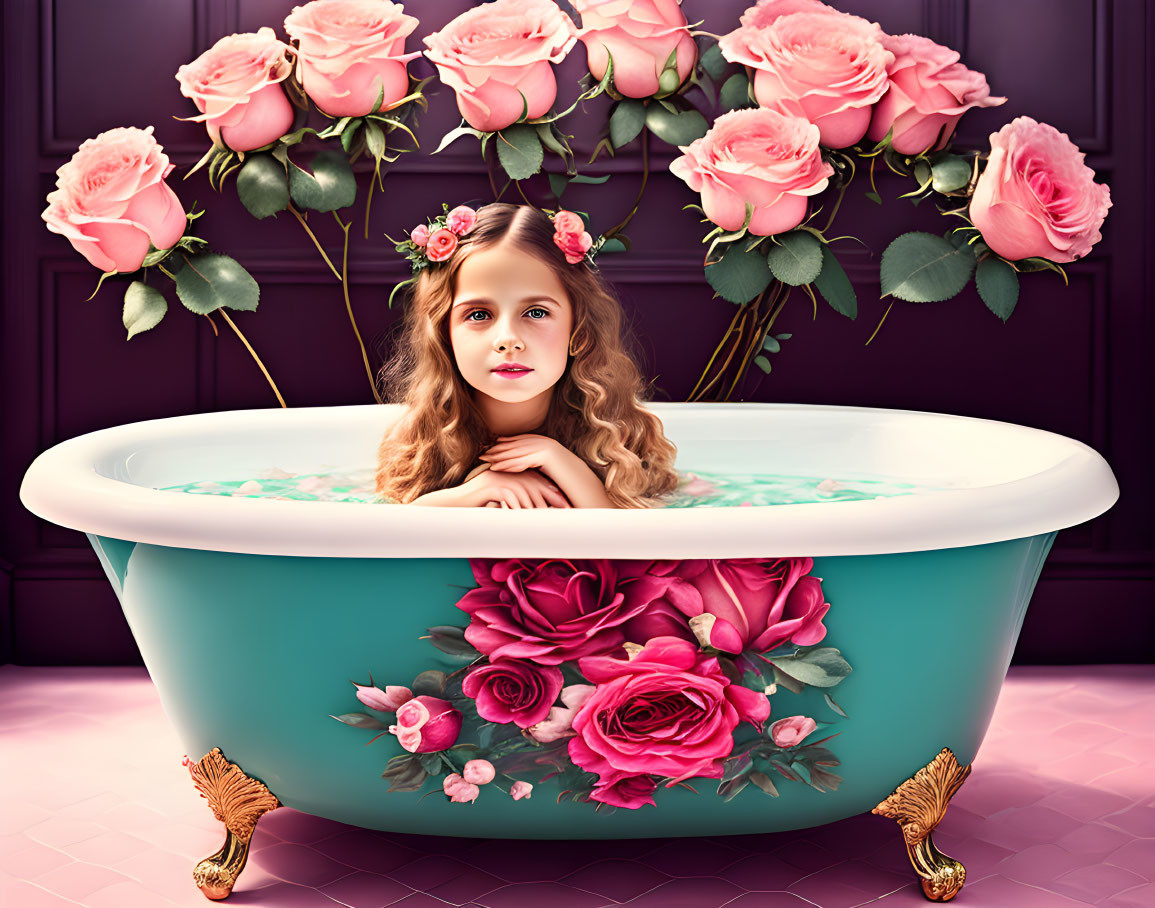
[
  {"x": 430, "y": 683},
  {"x": 739, "y": 276},
  {"x": 763, "y": 781},
  {"x": 735, "y": 93},
  {"x": 454, "y": 134},
  {"x": 998, "y": 285},
  {"x": 678, "y": 128},
  {"x": 762, "y": 363},
  {"x": 796, "y": 258},
  {"x": 834, "y": 706},
  {"x": 361, "y": 720},
  {"x": 262, "y": 186},
  {"x": 209, "y": 281},
  {"x": 821, "y": 667},
  {"x": 835, "y": 286},
  {"x": 626, "y": 121},
  {"x": 451, "y": 639},
  {"x": 729, "y": 790},
  {"x": 144, "y": 307},
  {"x": 349, "y": 134},
  {"x": 431, "y": 763},
  {"x": 582, "y": 178},
  {"x": 712, "y": 62},
  {"x": 613, "y": 244},
  {"x": 520, "y": 152},
  {"x": 950, "y": 174},
  {"x": 924, "y": 268},
  {"x": 557, "y": 184},
  {"x": 874, "y": 197},
  {"x": 330, "y": 186},
  {"x": 771, "y": 344}
]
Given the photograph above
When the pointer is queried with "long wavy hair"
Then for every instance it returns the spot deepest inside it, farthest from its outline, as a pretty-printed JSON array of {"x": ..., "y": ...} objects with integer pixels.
[{"x": 595, "y": 410}]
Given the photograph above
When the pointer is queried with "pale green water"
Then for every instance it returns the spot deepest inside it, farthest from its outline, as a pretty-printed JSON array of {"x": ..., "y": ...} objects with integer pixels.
[{"x": 695, "y": 489}]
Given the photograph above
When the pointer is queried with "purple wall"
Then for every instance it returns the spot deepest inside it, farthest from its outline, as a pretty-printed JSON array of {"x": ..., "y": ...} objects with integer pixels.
[{"x": 1070, "y": 360}]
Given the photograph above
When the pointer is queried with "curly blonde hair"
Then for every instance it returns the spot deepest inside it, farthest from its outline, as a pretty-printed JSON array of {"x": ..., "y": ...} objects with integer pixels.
[{"x": 595, "y": 410}]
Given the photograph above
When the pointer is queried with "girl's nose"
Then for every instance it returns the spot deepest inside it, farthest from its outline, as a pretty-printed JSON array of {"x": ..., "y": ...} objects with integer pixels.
[{"x": 508, "y": 342}]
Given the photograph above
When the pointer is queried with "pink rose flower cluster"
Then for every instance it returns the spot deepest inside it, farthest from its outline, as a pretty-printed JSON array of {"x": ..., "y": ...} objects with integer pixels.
[
  {"x": 439, "y": 241},
  {"x": 570, "y": 236}
]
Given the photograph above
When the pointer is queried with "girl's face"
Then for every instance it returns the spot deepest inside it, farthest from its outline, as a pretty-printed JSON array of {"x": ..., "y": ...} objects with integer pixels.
[{"x": 510, "y": 325}]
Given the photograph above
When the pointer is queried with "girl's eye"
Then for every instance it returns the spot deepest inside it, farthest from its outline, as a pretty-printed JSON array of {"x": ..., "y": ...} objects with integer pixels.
[
  {"x": 544, "y": 313},
  {"x": 469, "y": 316}
]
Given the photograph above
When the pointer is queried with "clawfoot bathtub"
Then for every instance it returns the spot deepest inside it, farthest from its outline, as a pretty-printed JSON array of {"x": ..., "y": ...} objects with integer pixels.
[{"x": 253, "y": 615}]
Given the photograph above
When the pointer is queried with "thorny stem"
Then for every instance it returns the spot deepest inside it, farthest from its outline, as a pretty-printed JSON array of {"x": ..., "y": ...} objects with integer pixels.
[
  {"x": 249, "y": 347},
  {"x": 349, "y": 307},
  {"x": 316, "y": 242},
  {"x": 733, "y": 347},
  {"x": 717, "y": 350}
]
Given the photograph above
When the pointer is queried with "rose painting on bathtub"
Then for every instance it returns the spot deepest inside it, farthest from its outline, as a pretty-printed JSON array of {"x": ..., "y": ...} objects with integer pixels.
[{"x": 614, "y": 679}]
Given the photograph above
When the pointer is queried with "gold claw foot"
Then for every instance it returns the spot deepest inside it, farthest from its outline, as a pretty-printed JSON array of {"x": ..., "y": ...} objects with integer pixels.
[
  {"x": 918, "y": 804},
  {"x": 238, "y": 801}
]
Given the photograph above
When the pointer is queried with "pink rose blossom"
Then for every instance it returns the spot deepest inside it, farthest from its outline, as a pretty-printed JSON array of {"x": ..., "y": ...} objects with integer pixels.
[
  {"x": 419, "y": 235},
  {"x": 668, "y": 711},
  {"x": 568, "y": 222},
  {"x": 764, "y": 157},
  {"x": 497, "y": 56},
  {"x": 559, "y": 723},
  {"x": 478, "y": 772},
  {"x": 441, "y": 244},
  {"x": 387, "y": 700},
  {"x": 755, "y": 603},
  {"x": 510, "y": 690},
  {"x": 556, "y": 610},
  {"x": 640, "y": 35},
  {"x": 790, "y": 731},
  {"x": 458, "y": 790},
  {"x": 764, "y": 12},
  {"x": 1036, "y": 197},
  {"x": 519, "y": 790},
  {"x": 929, "y": 92},
  {"x": 461, "y": 220},
  {"x": 426, "y": 725},
  {"x": 630, "y": 792},
  {"x": 828, "y": 67},
  {"x": 350, "y": 50},
  {"x": 574, "y": 245},
  {"x": 234, "y": 85},
  {"x": 111, "y": 200}
]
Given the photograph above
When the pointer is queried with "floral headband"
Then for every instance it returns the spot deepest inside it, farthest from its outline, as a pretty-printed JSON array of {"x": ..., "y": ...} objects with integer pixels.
[{"x": 437, "y": 241}]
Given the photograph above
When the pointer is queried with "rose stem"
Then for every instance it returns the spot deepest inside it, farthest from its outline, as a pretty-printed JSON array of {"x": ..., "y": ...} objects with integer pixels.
[
  {"x": 746, "y": 309},
  {"x": 332, "y": 267},
  {"x": 717, "y": 350},
  {"x": 349, "y": 306},
  {"x": 613, "y": 231},
  {"x": 876, "y": 330},
  {"x": 759, "y": 335}
]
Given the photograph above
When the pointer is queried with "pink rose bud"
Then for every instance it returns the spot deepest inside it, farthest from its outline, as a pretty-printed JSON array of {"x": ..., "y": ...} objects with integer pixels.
[
  {"x": 479, "y": 772},
  {"x": 441, "y": 244},
  {"x": 716, "y": 632},
  {"x": 458, "y": 790},
  {"x": 520, "y": 790},
  {"x": 420, "y": 235},
  {"x": 386, "y": 700},
  {"x": 426, "y": 725},
  {"x": 792, "y": 730},
  {"x": 461, "y": 220}
]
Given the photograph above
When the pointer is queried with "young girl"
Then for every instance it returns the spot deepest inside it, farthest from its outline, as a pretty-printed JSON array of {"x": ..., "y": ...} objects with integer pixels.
[{"x": 518, "y": 390}]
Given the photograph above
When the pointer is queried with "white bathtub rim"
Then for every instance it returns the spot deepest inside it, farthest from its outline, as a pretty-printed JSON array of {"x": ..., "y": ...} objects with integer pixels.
[{"x": 64, "y": 487}]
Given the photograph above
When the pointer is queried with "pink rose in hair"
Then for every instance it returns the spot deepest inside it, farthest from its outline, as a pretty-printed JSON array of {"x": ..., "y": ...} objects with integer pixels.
[
  {"x": 426, "y": 725},
  {"x": 440, "y": 245},
  {"x": 1036, "y": 197},
  {"x": 234, "y": 85},
  {"x": 929, "y": 91},
  {"x": 497, "y": 56},
  {"x": 111, "y": 200},
  {"x": 387, "y": 700},
  {"x": 640, "y": 35},
  {"x": 764, "y": 12},
  {"x": 420, "y": 235},
  {"x": 349, "y": 50},
  {"x": 555, "y": 610},
  {"x": 756, "y": 603},
  {"x": 791, "y": 731},
  {"x": 765, "y": 157},
  {"x": 510, "y": 690},
  {"x": 668, "y": 711},
  {"x": 574, "y": 245},
  {"x": 461, "y": 220},
  {"x": 828, "y": 67},
  {"x": 568, "y": 222},
  {"x": 630, "y": 792}
]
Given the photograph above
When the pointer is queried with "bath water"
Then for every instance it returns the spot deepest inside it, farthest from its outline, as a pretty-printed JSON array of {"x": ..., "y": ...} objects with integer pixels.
[{"x": 695, "y": 489}]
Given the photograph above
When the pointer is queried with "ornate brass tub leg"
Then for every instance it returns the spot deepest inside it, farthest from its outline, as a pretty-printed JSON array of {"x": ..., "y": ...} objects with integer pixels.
[
  {"x": 918, "y": 804},
  {"x": 238, "y": 801}
]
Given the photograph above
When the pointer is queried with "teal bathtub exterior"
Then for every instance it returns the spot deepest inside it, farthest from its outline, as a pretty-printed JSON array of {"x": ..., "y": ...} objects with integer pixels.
[{"x": 254, "y": 653}]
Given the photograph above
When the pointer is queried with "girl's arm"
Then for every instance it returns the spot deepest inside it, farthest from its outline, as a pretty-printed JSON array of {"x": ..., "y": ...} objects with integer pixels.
[
  {"x": 483, "y": 487},
  {"x": 573, "y": 476},
  {"x": 579, "y": 483}
]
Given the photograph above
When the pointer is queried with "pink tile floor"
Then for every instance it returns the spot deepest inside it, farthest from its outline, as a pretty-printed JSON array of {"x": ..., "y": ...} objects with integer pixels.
[{"x": 96, "y": 810}]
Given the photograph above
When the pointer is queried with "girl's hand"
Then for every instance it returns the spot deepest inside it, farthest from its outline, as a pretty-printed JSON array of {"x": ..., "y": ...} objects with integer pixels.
[
  {"x": 529, "y": 489},
  {"x": 516, "y": 453}
]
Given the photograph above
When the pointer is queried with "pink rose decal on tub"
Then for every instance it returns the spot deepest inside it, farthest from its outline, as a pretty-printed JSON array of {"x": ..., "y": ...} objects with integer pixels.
[
  {"x": 111, "y": 200},
  {"x": 235, "y": 86},
  {"x": 640, "y": 36},
  {"x": 497, "y": 57},
  {"x": 596, "y": 676},
  {"x": 349, "y": 51},
  {"x": 1036, "y": 197}
]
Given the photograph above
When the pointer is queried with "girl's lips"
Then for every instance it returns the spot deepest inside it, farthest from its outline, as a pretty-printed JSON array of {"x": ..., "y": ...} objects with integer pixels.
[{"x": 512, "y": 373}]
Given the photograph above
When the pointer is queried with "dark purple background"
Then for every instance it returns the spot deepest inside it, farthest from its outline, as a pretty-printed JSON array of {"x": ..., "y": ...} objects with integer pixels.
[{"x": 1071, "y": 360}]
